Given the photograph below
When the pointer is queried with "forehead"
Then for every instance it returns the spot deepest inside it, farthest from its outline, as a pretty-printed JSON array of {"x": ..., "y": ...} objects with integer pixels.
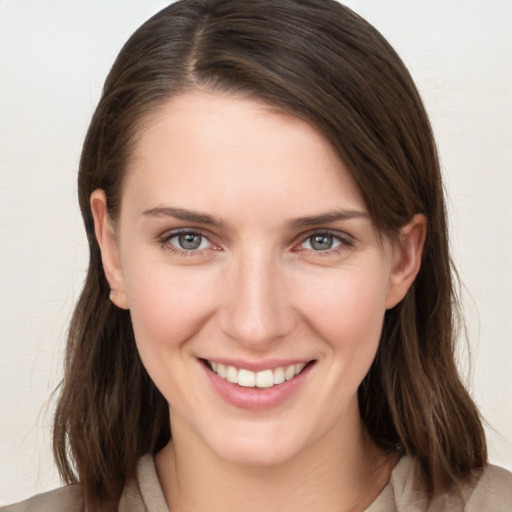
[{"x": 210, "y": 147}]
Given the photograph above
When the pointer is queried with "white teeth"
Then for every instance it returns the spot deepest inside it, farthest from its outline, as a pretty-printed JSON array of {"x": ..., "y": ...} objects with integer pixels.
[
  {"x": 278, "y": 375},
  {"x": 246, "y": 378},
  {"x": 232, "y": 374},
  {"x": 299, "y": 367},
  {"x": 262, "y": 379},
  {"x": 265, "y": 379},
  {"x": 221, "y": 371},
  {"x": 289, "y": 373}
]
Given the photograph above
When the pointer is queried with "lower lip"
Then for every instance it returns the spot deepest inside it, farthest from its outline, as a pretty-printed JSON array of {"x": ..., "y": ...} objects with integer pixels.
[{"x": 256, "y": 398}]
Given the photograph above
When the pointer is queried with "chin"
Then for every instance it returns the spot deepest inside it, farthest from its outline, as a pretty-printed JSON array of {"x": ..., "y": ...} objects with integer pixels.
[
  {"x": 258, "y": 449},
  {"x": 256, "y": 456}
]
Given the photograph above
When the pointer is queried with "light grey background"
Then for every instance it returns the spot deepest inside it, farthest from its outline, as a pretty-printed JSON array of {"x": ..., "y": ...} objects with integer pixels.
[{"x": 54, "y": 56}]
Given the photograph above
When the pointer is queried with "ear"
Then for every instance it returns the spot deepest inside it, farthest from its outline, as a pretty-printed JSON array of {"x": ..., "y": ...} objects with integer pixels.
[
  {"x": 106, "y": 237},
  {"x": 407, "y": 259}
]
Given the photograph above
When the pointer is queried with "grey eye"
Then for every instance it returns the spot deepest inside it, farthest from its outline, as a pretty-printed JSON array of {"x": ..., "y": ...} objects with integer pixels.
[
  {"x": 321, "y": 242},
  {"x": 185, "y": 241},
  {"x": 189, "y": 241}
]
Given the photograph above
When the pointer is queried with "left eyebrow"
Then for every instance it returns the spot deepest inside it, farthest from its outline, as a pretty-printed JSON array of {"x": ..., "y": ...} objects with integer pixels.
[
  {"x": 325, "y": 218},
  {"x": 183, "y": 214}
]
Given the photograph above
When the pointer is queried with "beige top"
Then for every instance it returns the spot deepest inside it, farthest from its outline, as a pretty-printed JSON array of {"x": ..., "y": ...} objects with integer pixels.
[{"x": 492, "y": 492}]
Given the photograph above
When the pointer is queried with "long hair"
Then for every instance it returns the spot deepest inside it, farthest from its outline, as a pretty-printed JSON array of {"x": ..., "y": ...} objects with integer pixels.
[{"x": 321, "y": 62}]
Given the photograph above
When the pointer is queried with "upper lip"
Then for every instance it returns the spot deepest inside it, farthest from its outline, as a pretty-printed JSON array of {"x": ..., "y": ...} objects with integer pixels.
[{"x": 258, "y": 366}]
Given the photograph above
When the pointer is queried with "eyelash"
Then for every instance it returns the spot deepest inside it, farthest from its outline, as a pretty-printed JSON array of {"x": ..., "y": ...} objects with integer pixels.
[{"x": 345, "y": 242}]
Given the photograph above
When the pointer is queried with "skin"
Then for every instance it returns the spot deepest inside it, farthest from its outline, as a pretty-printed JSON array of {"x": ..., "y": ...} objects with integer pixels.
[{"x": 255, "y": 290}]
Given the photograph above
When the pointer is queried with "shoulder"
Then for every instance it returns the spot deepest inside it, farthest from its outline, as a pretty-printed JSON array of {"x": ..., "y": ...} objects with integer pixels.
[
  {"x": 142, "y": 493},
  {"x": 493, "y": 491},
  {"x": 64, "y": 499},
  {"x": 487, "y": 490}
]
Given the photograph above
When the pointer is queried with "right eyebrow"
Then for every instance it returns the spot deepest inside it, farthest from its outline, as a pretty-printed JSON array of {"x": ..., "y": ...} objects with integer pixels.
[{"x": 184, "y": 214}]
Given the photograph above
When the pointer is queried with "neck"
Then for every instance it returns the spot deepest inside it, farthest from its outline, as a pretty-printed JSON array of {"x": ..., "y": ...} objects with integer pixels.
[{"x": 341, "y": 472}]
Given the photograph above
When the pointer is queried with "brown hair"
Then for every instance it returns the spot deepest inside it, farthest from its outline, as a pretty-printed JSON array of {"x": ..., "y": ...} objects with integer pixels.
[{"x": 320, "y": 61}]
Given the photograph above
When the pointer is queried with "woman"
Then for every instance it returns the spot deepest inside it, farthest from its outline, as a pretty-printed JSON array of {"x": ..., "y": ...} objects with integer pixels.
[{"x": 269, "y": 279}]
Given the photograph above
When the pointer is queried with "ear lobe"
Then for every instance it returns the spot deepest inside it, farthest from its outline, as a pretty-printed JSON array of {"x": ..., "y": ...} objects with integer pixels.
[
  {"x": 107, "y": 241},
  {"x": 407, "y": 259}
]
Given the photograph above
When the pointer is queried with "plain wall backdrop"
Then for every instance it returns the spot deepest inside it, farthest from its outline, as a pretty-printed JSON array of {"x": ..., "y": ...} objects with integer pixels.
[{"x": 54, "y": 56}]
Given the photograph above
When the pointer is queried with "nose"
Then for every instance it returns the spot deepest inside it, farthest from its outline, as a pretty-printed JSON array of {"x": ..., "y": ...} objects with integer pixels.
[{"x": 256, "y": 310}]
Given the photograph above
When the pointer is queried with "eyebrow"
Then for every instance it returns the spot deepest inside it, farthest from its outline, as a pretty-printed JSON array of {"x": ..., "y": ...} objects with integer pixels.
[
  {"x": 325, "y": 218},
  {"x": 183, "y": 214},
  {"x": 209, "y": 220}
]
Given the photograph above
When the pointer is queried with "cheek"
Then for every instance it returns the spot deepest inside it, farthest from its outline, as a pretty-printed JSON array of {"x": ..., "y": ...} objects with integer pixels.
[
  {"x": 348, "y": 309},
  {"x": 167, "y": 305}
]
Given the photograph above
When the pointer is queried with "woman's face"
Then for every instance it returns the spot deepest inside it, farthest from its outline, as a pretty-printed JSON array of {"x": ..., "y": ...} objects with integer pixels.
[{"x": 255, "y": 280}]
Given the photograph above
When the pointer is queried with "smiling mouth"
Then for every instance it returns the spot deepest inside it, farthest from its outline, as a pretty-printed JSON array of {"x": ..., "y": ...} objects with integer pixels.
[{"x": 262, "y": 379}]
